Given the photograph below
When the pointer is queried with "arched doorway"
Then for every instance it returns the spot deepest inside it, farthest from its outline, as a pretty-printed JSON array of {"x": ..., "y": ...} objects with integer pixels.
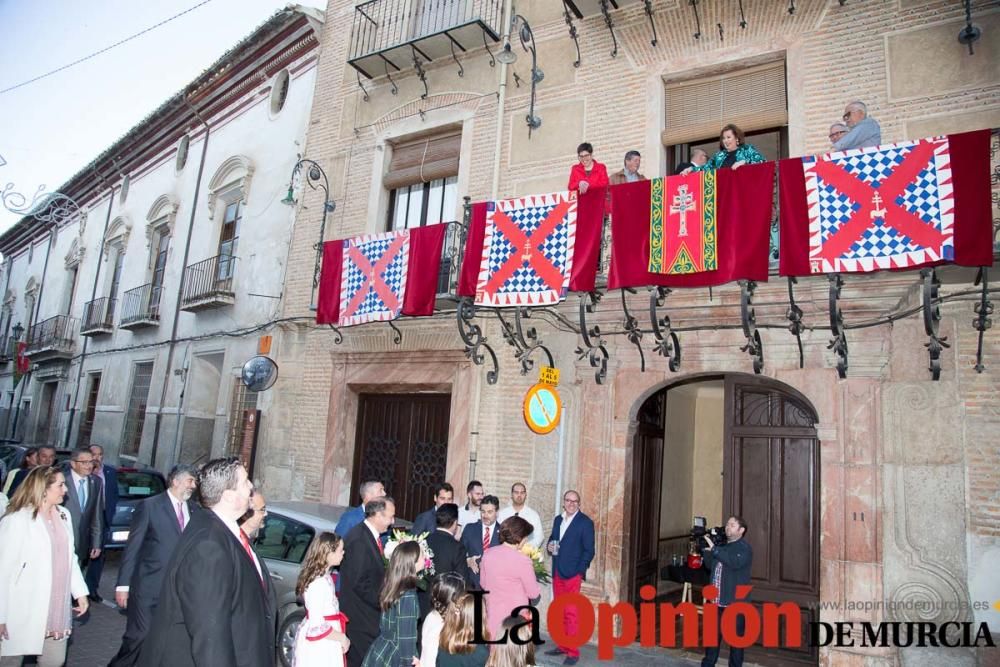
[{"x": 719, "y": 445}]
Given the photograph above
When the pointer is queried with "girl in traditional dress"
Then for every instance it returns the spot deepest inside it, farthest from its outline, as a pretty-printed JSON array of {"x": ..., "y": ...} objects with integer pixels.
[
  {"x": 320, "y": 641},
  {"x": 396, "y": 646},
  {"x": 445, "y": 590}
]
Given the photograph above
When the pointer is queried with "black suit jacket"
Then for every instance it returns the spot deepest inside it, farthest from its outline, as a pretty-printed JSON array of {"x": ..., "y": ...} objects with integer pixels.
[
  {"x": 449, "y": 556},
  {"x": 88, "y": 522},
  {"x": 214, "y": 608},
  {"x": 472, "y": 540},
  {"x": 153, "y": 536},
  {"x": 361, "y": 576}
]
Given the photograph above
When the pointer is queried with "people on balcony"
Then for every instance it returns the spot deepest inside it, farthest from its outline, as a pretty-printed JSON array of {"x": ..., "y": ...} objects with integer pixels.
[
  {"x": 864, "y": 130},
  {"x": 837, "y": 132},
  {"x": 588, "y": 174},
  {"x": 734, "y": 152},
  {"x": 630, "y": 173},
  {"x": 698, "y": 158}
]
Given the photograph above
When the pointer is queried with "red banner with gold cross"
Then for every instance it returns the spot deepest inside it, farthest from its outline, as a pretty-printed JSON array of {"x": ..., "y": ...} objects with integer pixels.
[{"x": 682, "y": 225}]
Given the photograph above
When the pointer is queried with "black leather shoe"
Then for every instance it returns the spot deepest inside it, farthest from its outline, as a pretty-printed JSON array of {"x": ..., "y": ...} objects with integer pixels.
[
  {"x": 571, "y": 661},
  {"x": 95, "y": 598},
  {"x": 555, "y": 651}
]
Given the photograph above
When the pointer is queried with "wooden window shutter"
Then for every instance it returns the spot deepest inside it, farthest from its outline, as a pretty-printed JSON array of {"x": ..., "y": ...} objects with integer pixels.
[
  {"x": 752, "y": 99},
  {"x": 424, "y": 159}
]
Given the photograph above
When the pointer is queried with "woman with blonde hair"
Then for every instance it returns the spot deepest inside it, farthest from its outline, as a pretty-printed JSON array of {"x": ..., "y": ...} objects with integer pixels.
[
  {"x": 459, "y": 629},
  {"x": 514, "y": 654},
  {"x": 397, "y": 641},
  {"x": 320, "y": 640},
  {"x": 39, "y": 573}
]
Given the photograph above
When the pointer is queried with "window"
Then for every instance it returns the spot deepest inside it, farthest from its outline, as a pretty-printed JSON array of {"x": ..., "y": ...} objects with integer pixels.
[
  {"x": 244, "y": 404},
  {"x": 182, "y": 152},
  {"x": 133, "y": 484},
  {"x": 159, "y": 269},
  {"x": 229, "y": 238},
  {"x": 135, "y": 415},
  {"x": 422, "y": 180},
  {"x": 70, "y": 289},
  {"x": 279, "y": 91},
  {"x": 124, "y": 193},
  {"x": 90, "y": 412},
  {"x": 281, "y": 538}
]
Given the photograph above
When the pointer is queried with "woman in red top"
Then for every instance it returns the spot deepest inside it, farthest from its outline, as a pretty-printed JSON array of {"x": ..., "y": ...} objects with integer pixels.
[{"x": 588, "y": 174}]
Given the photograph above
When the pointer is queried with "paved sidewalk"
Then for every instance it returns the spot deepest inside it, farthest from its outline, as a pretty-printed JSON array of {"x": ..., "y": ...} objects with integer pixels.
[{"x": 96, "y": 641}]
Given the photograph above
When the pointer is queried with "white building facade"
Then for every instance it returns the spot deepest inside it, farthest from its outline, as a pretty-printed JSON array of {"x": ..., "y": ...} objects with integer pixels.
[{"x": 137, "y": 310}]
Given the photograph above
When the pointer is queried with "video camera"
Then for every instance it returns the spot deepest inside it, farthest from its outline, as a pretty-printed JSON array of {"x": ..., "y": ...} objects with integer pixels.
[{"x": 700, "y": 529}]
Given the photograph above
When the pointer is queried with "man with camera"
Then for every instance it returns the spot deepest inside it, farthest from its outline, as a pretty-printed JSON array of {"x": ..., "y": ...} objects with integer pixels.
[{"x": 728, "y": 566}]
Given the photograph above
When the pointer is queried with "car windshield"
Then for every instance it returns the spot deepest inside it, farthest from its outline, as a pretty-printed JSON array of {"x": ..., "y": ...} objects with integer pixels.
[{"x": 138, "y": 484}]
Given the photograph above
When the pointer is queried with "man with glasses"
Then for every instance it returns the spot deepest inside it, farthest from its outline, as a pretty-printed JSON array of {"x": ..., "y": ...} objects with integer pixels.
[
  {"x": 83, "y": 500},
  {"x": 864, "y": 131},
  {"x": 571, "y": 544},
  {"x": 254, "y": 518},
  {"x": 837, "y": 132}
]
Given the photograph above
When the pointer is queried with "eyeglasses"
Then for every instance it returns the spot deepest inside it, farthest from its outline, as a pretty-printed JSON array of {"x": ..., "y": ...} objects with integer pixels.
[
  {"x": 584, "y": 155},
  {"x": 571, "y": 502},
  {"x": 262, "y": 510},
  {"x": 836, "y": 135},
  {"x": 847, "y": 115},
  {"x": 84, "y": 463}
]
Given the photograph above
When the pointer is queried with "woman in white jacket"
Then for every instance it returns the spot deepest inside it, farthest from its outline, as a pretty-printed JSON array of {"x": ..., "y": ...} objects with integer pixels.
[{"x": 38, "y": 572}]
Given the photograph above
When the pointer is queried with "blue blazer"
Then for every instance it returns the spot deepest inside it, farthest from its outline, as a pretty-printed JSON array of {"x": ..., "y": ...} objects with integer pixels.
[
  {"x": 576, "y": 548},
  {"x": 426, "y": 522},
  {"x": 472, "y": 540},
  {"x": 736, "y": 558}
]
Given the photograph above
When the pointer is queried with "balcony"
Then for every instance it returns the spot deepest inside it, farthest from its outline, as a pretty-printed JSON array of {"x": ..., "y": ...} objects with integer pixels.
[
  {"x": 389, "y": 36},
  {"x": 98, "y": 317},
  {"x": 52, "y": 339},
  {"x": 209, "y": 284},
  {"x": 141, "y": 307}
]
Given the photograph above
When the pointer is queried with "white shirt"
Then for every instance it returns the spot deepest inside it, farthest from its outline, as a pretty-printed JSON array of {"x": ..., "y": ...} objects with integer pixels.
[
  {"x": 467, "y": 516},
  {"x": 531, "y": 516},
  {"x": 565, "y": 523},
  {"x": 234, "y": 528},
  {"x": 431, "y": 636},
  {"x": 371, "y": 529}
]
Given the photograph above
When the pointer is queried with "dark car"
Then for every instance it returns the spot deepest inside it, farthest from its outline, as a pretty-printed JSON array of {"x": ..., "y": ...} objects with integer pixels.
[
  {"x": 12, "y": 454},
  {"x": 134, "y": 484}
]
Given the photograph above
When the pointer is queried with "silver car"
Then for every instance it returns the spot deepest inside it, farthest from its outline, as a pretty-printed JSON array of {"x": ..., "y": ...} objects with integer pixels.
[{"x": 289, "y": 528}]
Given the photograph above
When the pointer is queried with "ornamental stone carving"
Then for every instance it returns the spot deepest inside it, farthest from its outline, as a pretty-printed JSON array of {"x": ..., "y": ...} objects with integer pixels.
[{"x": 235, "y": 172}]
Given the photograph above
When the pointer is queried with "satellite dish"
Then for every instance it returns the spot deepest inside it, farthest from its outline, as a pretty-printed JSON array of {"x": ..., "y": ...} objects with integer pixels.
[{"x": 259, "y": 373}]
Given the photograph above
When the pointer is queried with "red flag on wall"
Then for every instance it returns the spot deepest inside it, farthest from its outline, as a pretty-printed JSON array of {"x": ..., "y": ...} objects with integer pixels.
[
  {"x": 380, "y": 277},
  {"x": 743, "y": 214},
  {"x": 897, "y": 206},
  {"x": 21, "y": 362}
]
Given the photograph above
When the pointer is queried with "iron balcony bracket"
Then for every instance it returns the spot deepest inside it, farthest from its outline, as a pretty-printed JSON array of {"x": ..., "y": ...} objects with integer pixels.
[
  {"x": 395, "y": 88},
  {"x": 475, "y": 342},
  {"x": 839, "y": 341},
  {"x": 632, "y": 330},
  {"x": 593, "y": 346},
  {"x": 754, "y": 346},
  {"x": 397, "y": 335},
  {"x": 697, "y": 19},
  {"x": 362, "y": 87},
  {"x": 743, "y": 17},
  {"x": 338, "y": 337},
  {"x": 418, "y": 66},
  {"x": 667, "y": 343},
  {"x": 611, "y": 27},
  {"x": 794, "y": 316},
  {"x": 932, "y": 320},
  {"x": 722, "y": 35},
  {"x": 523, "y": 339},
  {"x": 572, "y": 33},
  {"x": 493, "y": 61},
  {"x": 983, "y": 310},
  {"x": 461, "y": 70},
  {"x": 648, "y": 8}
]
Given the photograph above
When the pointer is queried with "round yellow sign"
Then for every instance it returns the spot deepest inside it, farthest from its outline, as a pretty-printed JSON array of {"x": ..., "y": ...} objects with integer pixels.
[{"x": 542, "y": 408}]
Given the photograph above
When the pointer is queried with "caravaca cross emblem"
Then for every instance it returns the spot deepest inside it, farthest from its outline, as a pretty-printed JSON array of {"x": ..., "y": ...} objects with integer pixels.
[{"x": 683, "y": 202}]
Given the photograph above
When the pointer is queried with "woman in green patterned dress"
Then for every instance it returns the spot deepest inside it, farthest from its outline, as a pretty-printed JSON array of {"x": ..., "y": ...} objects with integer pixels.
[
  {"x": 396, "y": 646},
  {"x": 734, "y": 151}
]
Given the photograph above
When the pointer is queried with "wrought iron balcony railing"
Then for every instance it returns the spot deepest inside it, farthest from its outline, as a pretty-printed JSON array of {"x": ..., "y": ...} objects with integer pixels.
[
  {"x": 141, "y": 307},
  {"x": 209, "y": 283},
  {"x": 98, "y": 317},
  {"x": 388, "y": 36},
  {"x": 54, "y": 335}
]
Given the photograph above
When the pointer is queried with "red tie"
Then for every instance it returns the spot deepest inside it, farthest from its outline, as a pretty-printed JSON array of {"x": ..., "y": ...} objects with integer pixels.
[
  {"x": 246, "y": 545},
  {"x": 381, "y": 549},
  {"x": 486, "y": 538}
]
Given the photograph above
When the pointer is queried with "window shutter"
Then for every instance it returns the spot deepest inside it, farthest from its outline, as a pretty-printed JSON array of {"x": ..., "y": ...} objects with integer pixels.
[
  {"x": 752, "y": 99},
  {"x": 424, "y": 159}
]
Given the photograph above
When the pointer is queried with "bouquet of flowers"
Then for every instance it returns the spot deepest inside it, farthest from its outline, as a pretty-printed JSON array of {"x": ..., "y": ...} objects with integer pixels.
[
  {"x": 426, "y": 573},
  {"x": 537, "y": 562}
]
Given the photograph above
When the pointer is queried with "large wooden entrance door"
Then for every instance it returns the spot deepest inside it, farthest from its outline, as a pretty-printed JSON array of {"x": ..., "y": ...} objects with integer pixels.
[
  {"x": 771, "y": 471},
  {"x": 402, "y": 441},
  {"x": 647, "y": 474}
]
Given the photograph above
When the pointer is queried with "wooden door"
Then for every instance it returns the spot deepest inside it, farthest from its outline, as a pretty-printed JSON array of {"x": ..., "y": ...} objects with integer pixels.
[
  {"x": 402, "y": 441},
  {"x": 90, "y": 412},
  {"x": 771, "y": 469},
  {"x": 647, "y": 473}
]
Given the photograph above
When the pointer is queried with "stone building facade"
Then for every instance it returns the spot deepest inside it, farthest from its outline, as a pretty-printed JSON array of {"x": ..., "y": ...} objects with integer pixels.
[
  {"x": 900, "y": 500},
  {"x": 143, "y": 298}
]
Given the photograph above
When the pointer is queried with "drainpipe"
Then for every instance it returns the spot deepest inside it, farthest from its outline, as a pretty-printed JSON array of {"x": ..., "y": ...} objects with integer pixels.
[
  {"x": 180, "y": 290},
  {"x": 93, "y": 295},
  {"x": 501, "y": 100}
]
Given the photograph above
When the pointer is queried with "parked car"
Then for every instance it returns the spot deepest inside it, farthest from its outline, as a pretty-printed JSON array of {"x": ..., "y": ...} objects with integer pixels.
[
  {"x": 134, "y": 484},
  {"x": 288, "y": 530}
]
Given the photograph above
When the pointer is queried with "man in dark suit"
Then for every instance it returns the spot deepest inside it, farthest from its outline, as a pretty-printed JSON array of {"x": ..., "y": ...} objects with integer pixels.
[
  {"x": 361, "y": 575},
  {"x": 426, "y": 522},
  {"x": 215, "y": 604},
  {"x": 156, "y": 528},
  {"x": 449, "y": 553},
  {"x": 109, "y": 503},
  {"x": 728, "y": 566},
  {"x": 83, "y": 500},
  {"x": 481, "y": 535},
  {"x": 571, "y": 544}
]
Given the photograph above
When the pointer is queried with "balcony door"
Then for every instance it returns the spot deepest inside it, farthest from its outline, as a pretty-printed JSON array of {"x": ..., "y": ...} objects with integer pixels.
[
  {"x": 228, "y": 239},
  {"x": 433, "y": 16},
  {"x": 116, "y": 278},
  {"x": 159, "y": 269}
]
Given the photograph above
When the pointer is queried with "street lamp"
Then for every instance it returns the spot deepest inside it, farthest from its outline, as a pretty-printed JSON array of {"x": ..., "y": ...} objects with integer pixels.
[
  {"x": 317, "y": 180},
  {"x": 17, "y": 331},
  {"x": 508, "y": 57}
]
